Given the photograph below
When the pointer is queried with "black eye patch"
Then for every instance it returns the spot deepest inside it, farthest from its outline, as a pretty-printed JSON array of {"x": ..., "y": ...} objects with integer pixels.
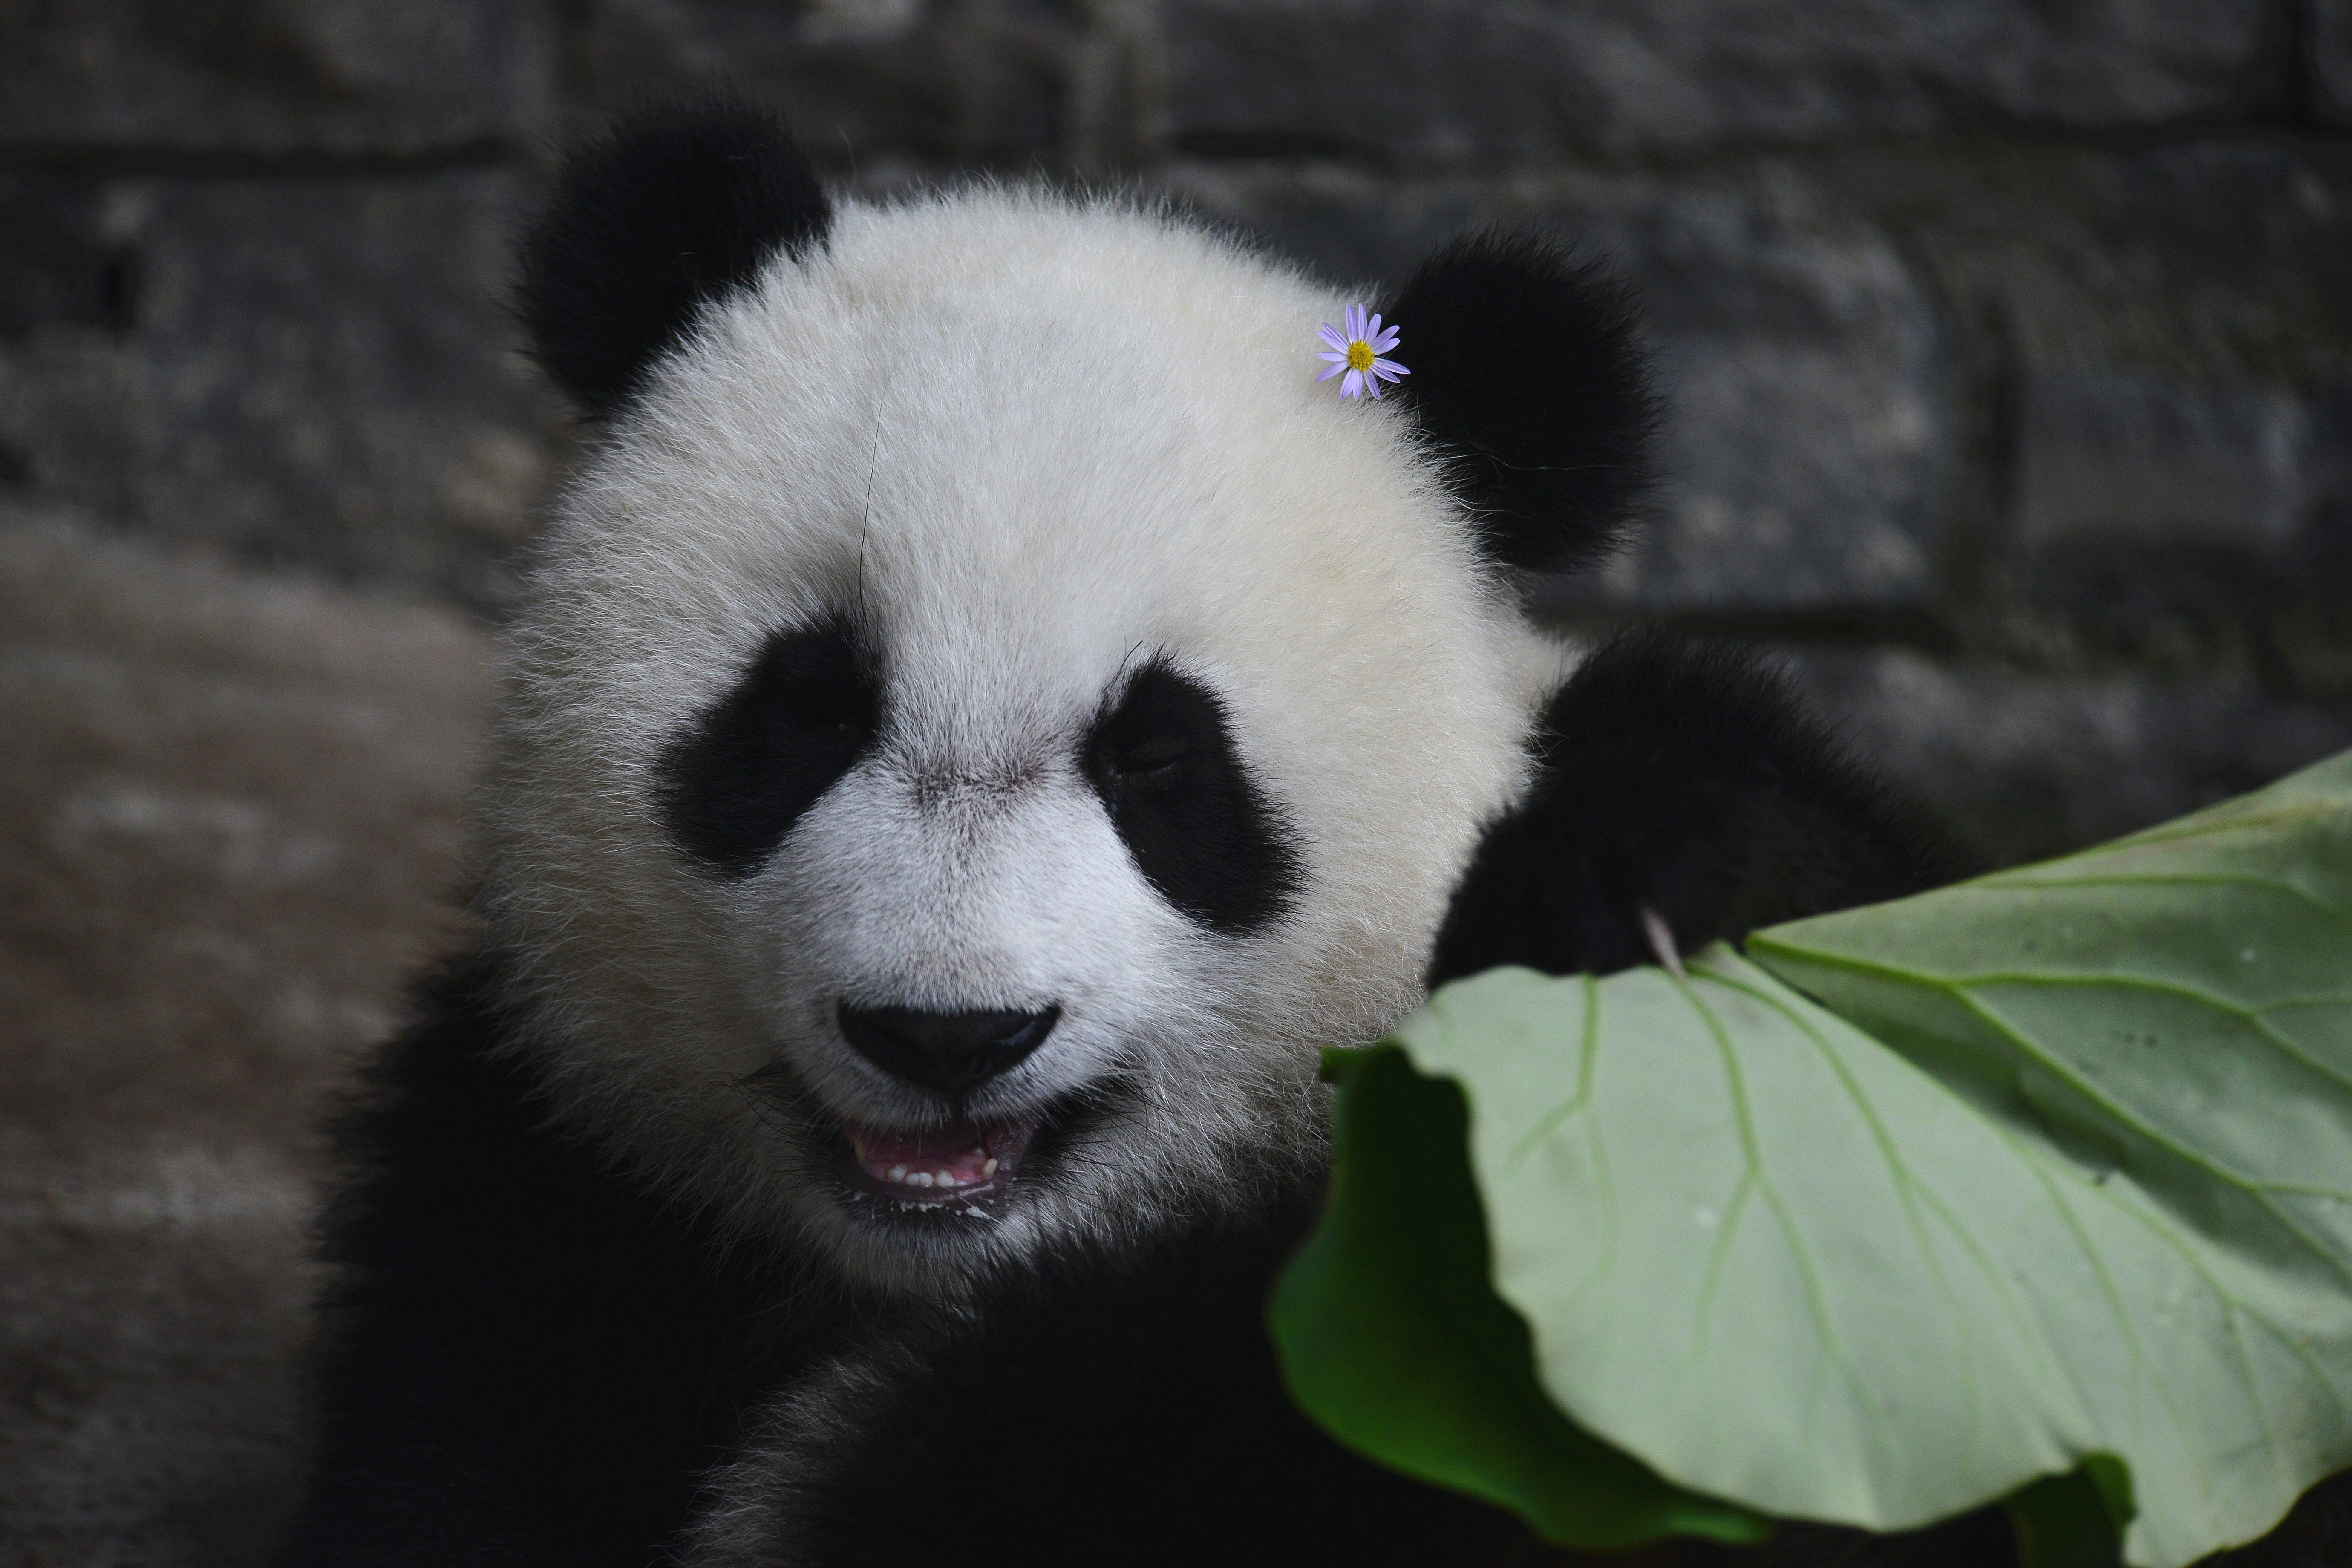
[
  {"x": 737, "y": 777},
  {"x": 1162, "y": 760}
]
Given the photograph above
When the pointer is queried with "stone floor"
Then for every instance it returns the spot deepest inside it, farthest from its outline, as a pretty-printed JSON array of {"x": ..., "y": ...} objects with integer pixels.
[{"x": 229, "y": 808}]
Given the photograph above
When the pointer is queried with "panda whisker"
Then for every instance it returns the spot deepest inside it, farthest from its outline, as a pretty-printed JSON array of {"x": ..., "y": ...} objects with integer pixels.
[
  {"x": 770, "y": 1072},
  {"x": 766, "y": 1116},
  {"x": 865, "y": 520},
  {"x": 755, "y": 1086}
]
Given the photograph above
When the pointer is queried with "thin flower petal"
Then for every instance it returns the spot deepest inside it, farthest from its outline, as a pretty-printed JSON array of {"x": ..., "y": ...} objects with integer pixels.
[{"x": 1366, "y": 336}]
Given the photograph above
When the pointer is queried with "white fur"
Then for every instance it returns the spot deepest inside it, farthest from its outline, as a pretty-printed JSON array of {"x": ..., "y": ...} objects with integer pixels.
[{"x": 1030, "y": 445}]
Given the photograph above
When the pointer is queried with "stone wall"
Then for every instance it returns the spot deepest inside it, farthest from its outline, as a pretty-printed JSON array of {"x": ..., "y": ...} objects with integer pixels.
[{"x": 2010, "y": 343}]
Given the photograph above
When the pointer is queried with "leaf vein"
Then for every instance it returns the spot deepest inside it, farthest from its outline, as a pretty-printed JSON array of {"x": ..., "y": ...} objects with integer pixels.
[{"x": 1808, "y": 1271}]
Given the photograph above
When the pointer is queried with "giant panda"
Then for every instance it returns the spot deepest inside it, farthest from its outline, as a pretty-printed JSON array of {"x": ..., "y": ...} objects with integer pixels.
[{"x": 982, "y": 718}]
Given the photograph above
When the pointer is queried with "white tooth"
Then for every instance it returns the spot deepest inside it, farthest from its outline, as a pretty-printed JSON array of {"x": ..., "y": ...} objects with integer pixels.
[
  {"x": 920, "y": 1178},
  {"x": 987, "y": 1168},
  {"x": 897, "y": 1173}
]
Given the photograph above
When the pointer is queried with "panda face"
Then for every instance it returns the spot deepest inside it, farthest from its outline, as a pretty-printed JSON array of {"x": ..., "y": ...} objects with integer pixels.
[
  {"x": 981, "y": 722},
  {"x": 1002, "y": 940}
]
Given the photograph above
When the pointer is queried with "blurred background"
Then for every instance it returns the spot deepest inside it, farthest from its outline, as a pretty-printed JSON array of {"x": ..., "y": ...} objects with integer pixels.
[{"x": 2009, "y": 344}]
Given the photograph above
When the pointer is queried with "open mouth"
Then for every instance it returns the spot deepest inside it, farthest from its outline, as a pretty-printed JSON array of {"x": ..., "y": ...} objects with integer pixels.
[{"x": 963, "y": 1161}]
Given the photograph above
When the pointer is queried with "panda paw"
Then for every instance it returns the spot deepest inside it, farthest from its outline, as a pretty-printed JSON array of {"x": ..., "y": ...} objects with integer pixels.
[{"x": 1684, "y": 797}]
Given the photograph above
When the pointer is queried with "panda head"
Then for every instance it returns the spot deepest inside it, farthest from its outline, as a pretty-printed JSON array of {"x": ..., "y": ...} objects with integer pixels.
[{"x": 984, "y": 715}]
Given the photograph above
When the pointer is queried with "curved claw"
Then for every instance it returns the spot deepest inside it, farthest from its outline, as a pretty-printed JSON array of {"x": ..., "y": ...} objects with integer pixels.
[{"x": 1661, "y": 938}]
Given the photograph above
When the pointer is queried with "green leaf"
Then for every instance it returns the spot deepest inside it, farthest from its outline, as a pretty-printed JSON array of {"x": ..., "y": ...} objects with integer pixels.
[
  {"x": 2164, "y": 1025},
  {"x": 2072, "y": 1521},
  {"x": 2086, "y": 1213},
  {"x": 1392, "y": 1338}
]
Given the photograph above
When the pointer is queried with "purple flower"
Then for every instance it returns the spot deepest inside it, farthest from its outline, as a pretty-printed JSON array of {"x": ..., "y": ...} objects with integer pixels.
[{"x": 1357, "y": 351}]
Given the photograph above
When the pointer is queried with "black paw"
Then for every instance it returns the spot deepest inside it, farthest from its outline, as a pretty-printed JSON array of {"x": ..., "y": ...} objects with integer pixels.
[{"x": 1685, "y": 797}]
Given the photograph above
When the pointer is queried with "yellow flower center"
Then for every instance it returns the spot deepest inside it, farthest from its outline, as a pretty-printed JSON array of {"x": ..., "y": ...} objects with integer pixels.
[{"x": 1359, "y": 355}]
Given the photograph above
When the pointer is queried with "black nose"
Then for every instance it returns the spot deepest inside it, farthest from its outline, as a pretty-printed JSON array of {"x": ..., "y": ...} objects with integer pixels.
[{"x": 949, "y": 1052}]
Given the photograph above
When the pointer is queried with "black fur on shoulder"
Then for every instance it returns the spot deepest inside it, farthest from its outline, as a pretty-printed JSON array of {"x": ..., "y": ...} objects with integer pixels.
[
  {"x": 1127, "y": 1410},
  {"x": 1529, "y": 374},
  {"x": 526, "y": 1359},
  {"x": 676, "y": 208},
  {"x": 1688, "y": 780}
]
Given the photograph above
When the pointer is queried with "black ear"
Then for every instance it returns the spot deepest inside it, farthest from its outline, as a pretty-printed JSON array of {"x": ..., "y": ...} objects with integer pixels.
[
  {"x": 676, "y": 208},
  {"x": 1527, "y": 372}
]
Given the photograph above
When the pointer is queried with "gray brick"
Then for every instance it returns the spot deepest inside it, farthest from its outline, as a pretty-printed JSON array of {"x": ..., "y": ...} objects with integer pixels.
[
  {"x": 271, "y": 76},
  {"x": 1504, "y": 79},
  {"x": 2028, "y": 766},
  {"x": 2159, "y": 344},
  {"x": 2209, "y": 261},
  {"x": 1806, "y": 445},
  {"x": 2109, "y": 459},
  {"x": 2185, "y": 526},
  {"x": 2331, "y": 58},
  {"x": 307, "y": 370},
  {"x": 956, "y": 82}
]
